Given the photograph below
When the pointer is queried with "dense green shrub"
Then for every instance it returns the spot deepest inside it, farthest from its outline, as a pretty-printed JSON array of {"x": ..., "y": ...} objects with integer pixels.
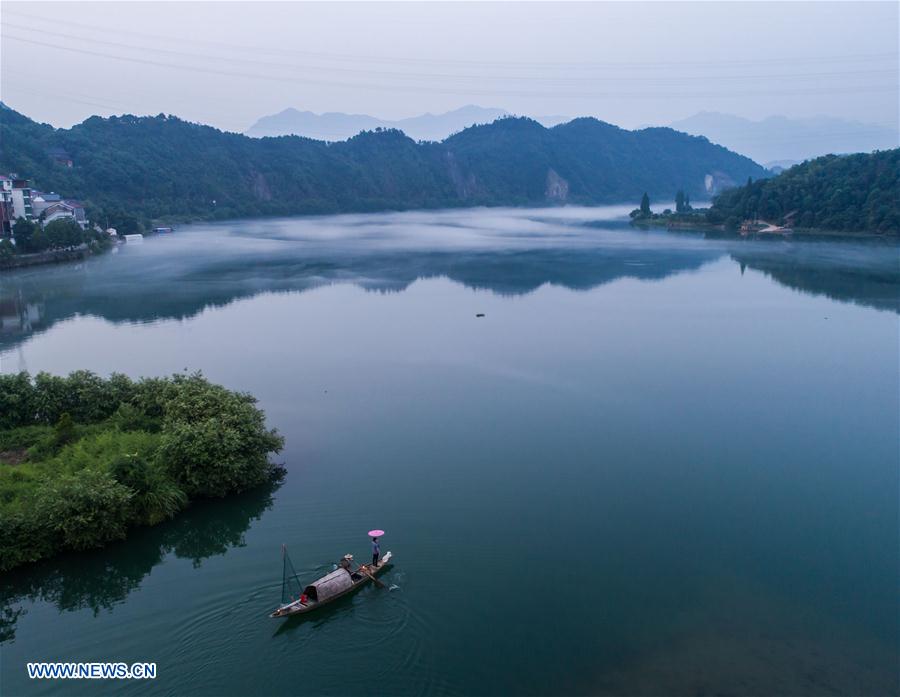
[
  {"x": 17, "y": 400},
  {"x": 85, "y": 509},
  {"x": 23, "y": 437},
  {"x": 214, "y": 441},
  {"x": 131, "y": 418},
  {"x": 104, "y": 454},
  {"x": 23, "y": 538},
  {"x": 157, "y": 497},
  {"x": 64, "y": 431}
]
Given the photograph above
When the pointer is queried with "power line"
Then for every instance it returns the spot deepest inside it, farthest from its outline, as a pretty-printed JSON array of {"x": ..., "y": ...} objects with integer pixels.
[
  {"x": 427, "y": 88},
  {"x": 479, "y": 63},
  {"x": 478, "y": 77}
]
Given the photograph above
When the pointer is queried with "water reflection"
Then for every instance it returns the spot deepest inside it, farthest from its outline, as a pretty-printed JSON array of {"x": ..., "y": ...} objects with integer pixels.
[
  {"x": 101, "y": 579},
  {"x": 863, "y": 273},
  {"x": 503, "y": 251}
]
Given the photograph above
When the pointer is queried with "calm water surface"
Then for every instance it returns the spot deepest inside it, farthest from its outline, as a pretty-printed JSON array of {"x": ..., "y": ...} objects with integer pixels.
[{"x": 658, "y": 465}]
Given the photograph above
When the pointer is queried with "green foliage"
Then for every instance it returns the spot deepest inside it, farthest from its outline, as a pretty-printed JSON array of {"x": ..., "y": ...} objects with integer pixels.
[
  {"x": 7, "y": 250},
  {"x": 23, "y": 232},
  {"x": 23, "y": 437},
  {"x": 129, "y": 170},
  {"x": 17, "y": 400},
  {"x": 63, "y": 233},
  {"x": 103, "y": 455},
  {"x": 85, "y": 509},
  {"x": 64, "y": 431},
  {"x": 848, "y": 193},
  {"x": 215, "y": 441},
  {"x": 156, "y": 496},
  {"x": 24, "y": 538},
  {"x": 128, "y": 417}
]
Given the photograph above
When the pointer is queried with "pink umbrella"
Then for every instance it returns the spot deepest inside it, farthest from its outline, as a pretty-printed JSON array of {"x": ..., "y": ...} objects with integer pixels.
[{"x": 376, "y": 533}]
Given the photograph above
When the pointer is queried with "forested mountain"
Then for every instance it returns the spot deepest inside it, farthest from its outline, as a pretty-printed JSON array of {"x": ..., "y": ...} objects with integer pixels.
[
  {"x": 849, "y": 193},
  {"x": 162, "y": 167}
]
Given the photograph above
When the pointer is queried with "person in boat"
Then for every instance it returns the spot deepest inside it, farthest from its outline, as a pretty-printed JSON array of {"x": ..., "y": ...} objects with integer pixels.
[
  {"x": 346, "y": 561},
  {"x": 376, "y": 551}
]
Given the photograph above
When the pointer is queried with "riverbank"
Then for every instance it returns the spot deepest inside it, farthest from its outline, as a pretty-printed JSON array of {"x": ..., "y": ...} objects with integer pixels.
[
  {"x": 55, "y": 256},
  {"x": 83, "y": 459},
  {"x": 58, "y": 242},
  {"x": 676, "y": 222}
]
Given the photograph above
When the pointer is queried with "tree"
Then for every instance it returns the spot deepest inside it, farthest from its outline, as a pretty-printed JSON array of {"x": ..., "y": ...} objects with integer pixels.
[
  {"x": 645, "y": 204},
  {"x": 7, "y": 250},
  {"x": 64, "y": 431},
  {"x": 23, "y": 232},
  {"x": 63, "y": 233},
  {"x": 215, "y": 441}
]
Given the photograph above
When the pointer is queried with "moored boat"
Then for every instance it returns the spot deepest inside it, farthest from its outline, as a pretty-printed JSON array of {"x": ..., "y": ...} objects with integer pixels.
[{"x": 340, "y": 582}]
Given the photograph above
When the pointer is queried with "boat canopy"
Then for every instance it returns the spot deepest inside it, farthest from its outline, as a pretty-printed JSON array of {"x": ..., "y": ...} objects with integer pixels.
[{"x": 328, "y": 586}]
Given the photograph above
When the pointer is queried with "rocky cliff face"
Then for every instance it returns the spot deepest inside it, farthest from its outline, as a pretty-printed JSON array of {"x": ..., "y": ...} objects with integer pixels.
[
  {"x": 557, "y": 187},
  {"x": 465, "y": 185},
  {"x": 717, "y": 182},
  {"x": 260, "y": 187}
]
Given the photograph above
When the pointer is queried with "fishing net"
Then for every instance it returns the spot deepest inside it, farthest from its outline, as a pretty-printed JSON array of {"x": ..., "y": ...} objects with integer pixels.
[{"x": 291, "y": 588}]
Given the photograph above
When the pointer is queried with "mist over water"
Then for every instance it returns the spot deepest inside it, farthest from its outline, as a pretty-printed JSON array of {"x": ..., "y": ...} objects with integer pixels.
[
  {"x": 506, "y": 251},
  {"x": 659, "y": 464}
]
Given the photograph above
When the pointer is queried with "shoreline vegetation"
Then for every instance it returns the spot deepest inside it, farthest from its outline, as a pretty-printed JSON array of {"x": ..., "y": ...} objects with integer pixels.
[
  {"x": 832, "y": 196},
  {"x": 59, "y": 241},
  {"x": 84, "y": 459}
]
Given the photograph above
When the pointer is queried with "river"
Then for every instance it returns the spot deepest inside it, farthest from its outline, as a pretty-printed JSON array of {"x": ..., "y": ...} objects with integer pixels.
[{"x": 658, "y": 464}]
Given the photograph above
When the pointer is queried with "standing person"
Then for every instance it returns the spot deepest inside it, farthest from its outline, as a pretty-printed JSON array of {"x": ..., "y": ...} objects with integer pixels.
[{"x": 376, "y": 551}]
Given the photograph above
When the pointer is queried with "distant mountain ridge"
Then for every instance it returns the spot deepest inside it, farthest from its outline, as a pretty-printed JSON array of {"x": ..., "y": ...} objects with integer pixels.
[
  {"x": 163, "y": 167},
  {"x": 333, "y": 126},
  {"x": 778, "y": 138}
]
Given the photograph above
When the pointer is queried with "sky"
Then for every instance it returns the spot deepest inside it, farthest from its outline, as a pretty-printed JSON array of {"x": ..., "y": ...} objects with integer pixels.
[{"x": 636, "y": 63}]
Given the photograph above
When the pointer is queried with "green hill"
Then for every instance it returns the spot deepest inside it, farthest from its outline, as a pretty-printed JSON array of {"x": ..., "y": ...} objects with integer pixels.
[
  {"x": 163, "y": 167},
  {"x": 847, "y": 193}
]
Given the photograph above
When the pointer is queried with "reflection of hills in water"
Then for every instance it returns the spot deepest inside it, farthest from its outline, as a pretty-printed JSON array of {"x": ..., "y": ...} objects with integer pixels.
[
  {"x": 863, "y": 273},
  {"x": 179, "y": 276},
  {"x": 98, "y": 580},
  {"x": 119, "y": 291}
]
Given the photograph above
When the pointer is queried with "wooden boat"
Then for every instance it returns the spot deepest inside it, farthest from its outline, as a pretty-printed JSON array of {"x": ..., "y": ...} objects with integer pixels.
[{"x": 340, "y": 582}]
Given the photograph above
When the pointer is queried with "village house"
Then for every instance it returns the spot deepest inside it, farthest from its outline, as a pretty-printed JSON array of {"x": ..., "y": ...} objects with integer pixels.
[
  {"x": 18, "y": 200},
  {"x": 6, "y": 206},
  {"x": 41, "y": 201},
  {"x": 64, "y": 209},
  {"x": 21, "y": 198}
]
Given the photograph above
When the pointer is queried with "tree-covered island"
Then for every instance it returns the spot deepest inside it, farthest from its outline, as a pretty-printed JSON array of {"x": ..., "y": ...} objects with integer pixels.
[{"x": 83, "y": 458}]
